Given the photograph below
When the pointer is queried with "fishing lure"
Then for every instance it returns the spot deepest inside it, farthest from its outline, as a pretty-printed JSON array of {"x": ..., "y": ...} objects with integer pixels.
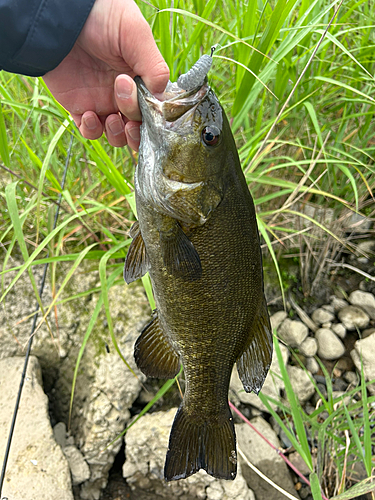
[{"x": 196, "y": 75}]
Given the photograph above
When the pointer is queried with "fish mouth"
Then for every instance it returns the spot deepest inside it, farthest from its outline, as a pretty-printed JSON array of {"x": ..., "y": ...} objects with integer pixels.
[
  {"x": 171, "y": 112},
  {"x": 171, "y": 105}
]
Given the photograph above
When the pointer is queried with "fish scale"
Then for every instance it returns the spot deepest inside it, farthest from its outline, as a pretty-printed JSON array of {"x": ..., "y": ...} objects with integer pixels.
[{"x": 197, "y": 237}]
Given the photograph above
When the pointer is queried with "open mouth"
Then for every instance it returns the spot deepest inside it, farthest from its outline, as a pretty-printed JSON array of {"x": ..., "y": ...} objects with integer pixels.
[{"x": 174, "y": 102}]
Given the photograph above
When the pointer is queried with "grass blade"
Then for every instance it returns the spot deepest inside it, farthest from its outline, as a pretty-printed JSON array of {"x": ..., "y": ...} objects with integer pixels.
[
  {"x": 271, "y": 31},
  {"x": 148, "y": 289},
  {"x": 343, "y": 85},
  {"x": 104, "y": 283},
  {"x": 10, "y": 195},
  {"x": 45, "y": 165},
  {"x": 295, "y": 408},
  {"x": 263, "y": 231},
  {"x": 4, "y": 151},
  {"x": 367, "y": 434},
  {"x": 359, "y": 489},
  {"x": 315, "y": 486}
]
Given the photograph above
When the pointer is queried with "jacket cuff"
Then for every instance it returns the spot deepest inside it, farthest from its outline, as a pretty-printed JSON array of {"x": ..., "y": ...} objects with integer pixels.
[{"x": 50, "y": 36}]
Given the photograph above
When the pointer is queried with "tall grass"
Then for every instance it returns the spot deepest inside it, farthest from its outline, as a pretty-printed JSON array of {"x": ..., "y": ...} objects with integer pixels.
[
  {"x": 321, "y": 150},
  {"x": 334, "y": 437}
]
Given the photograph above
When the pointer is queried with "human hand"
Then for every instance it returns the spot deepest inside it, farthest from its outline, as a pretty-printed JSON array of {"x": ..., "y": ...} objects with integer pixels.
[{"x": 94, "y": 81}]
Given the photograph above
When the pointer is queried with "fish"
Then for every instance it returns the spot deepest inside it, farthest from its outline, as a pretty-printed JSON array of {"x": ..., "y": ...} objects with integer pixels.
[{"x": 197, "y": 237}]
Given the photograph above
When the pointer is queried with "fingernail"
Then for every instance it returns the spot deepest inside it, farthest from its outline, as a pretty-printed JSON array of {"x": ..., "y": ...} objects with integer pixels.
[
  {"x": 116, "y": 127},
  {"x": 90, "y": 122},
  {"x": 134, "y": 133},
  {"x": 124, "y": 88}
]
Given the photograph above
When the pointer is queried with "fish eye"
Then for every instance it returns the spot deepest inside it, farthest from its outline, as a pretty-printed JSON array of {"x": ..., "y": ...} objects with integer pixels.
[{"x": 210, "y": 135}]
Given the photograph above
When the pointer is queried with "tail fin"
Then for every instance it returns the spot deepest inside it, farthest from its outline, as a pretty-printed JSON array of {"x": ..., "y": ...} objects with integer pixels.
[{"x": 210, "y": 446}]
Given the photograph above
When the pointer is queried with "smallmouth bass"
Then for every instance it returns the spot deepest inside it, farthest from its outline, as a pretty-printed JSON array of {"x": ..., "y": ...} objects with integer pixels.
[{"x": 197, "y": 236}]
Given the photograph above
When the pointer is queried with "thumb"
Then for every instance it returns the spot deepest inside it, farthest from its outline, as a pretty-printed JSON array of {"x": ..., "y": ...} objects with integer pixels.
[{"x": 140, "y": 51}]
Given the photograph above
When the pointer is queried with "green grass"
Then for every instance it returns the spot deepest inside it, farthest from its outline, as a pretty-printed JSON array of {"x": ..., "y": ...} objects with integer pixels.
[
  {"x": 330, "y": 440},
  {"x": 321, "y": 148}
]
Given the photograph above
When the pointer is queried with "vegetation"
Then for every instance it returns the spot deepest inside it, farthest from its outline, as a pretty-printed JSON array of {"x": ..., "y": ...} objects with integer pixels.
[
  {"x": 333, "y": 438},
  {"x": 303, "y": 122}
]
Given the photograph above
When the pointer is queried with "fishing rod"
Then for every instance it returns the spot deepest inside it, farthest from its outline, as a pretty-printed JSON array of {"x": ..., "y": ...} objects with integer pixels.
[{"x": 33, "y": 327}]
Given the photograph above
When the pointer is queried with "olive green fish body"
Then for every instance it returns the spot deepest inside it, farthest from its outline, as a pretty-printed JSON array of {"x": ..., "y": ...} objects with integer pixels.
[{"x": 197, "y": 236}]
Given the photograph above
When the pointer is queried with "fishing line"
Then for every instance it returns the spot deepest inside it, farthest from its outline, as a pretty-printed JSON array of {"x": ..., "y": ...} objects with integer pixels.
[{"x": 27, "y": 356}]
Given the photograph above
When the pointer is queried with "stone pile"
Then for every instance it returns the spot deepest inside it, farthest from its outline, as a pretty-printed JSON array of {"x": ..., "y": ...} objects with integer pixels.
[
  {"x": 105, "y": 389},
  {"x": 79, "y": 461},
  {"x": 324, "y": 335}
]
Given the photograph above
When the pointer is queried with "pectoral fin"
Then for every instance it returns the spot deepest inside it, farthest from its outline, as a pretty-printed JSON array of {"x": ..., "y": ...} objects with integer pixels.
[
  {"x": 136, "y": 262},
  {"x": 154, "y": 354},
  {"x": 254, "y": 362},
  {"x": 179, "y": 255}
]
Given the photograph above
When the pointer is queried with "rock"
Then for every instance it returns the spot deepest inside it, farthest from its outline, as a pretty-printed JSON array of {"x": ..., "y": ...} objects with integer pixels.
[
  {"x": 304, "y": 492},
  {"x": 368, "y": 247},
  {"x": 367, "y": 286},
  {"x": 358, "y": 469},
  {"x": 286, "y": 442},
  {"x": 341, "y": 396},
  {"x": 329, "y": 307},
  {"x": 365, "y": 348},
  {"x": 339, "y": 384},
  {"x": 353, "y": 317},
  {"x": 276, "y": 319},
  {"x": 301, "y": 383},
  {"x": 320, "y": 316},
  {"x": 337, "y": 303},
  {"x": 345, "y": 363},
  {"x": 299, "y": 463},
  {"x": 351, "y": 378},
  {"x": 271, "y": 387},
  {"x": 309, "y": 408},
  {"x": 339, "y": 329},
  {"x": 78, "y": 466},
  {"x": 329, "y": 345},
  {"x": 37, "y": 468},
  {"x": 327, "y": 325},
  {"x": 312, "y": 365},
  {"x": 365, "y": 301},
  {"x": 357, "y": 222},
  {"x": 293, "y": 332},
  {"x": 266, "y": 459},
  {"x": 105, "y": 388},
  {"x": 303, "y": 316},
  {"x": 309, "y": 347},
  {"x": 324, "y": 215},
  {"x": 59, "y": 432},
  {"x": 231, "y": 490},
  {"x": 317, "y": 396},
  {"x": 146, "y": 447},
  {"x": 367, "y": 332}
]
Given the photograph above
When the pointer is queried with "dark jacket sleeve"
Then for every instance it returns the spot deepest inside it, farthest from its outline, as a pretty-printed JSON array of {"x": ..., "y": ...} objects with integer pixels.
[{"x": 36, "y": 35}]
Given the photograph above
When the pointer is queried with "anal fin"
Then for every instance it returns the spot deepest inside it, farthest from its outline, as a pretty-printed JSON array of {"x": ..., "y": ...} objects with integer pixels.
[
  {"x": 254, "y": 362},
  {"x": 179, "y": 255},
  {"x": 195, "y": 445},
  {"x": 136, "y": 262},
  {"x": 154, "y": 354}
]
